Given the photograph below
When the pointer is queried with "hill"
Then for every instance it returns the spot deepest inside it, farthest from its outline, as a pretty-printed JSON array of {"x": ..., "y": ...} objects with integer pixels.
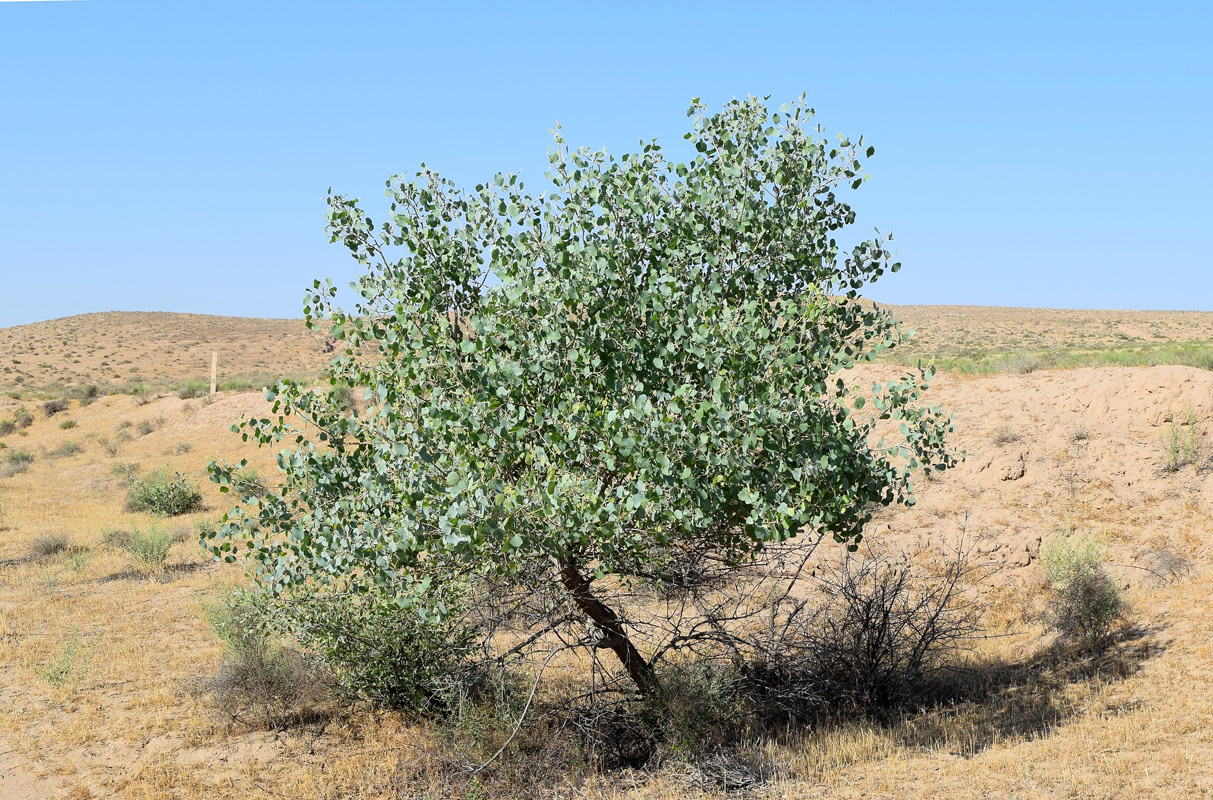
[
  {"x": 156, "y": 350},
  {"x": 121, "y": 351}
]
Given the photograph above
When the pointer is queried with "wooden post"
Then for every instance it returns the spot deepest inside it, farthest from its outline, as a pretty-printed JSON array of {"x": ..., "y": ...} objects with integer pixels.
[{"x": 214, "y": 363}]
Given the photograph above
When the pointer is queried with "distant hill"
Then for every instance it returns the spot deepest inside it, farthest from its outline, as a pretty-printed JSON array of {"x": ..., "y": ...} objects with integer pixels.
[
  {"x": 163, "y": 350},
  {"x": 118, "y": 348}
]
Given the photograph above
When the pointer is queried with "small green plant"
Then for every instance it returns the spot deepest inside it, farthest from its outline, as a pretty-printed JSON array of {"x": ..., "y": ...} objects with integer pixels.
[
  {"x": 257, "y": 669},
  {"x": 67, "y": 424},
  {"x": 69, "y": 665},
  {"x": 149, "y": 550},
  {"x": 15, "y": 462},
  {"x": 145, "y": 427},
  {"x": 192, "y": 389},
  {"x": 68, "y": 448},
  {"x": 1085, "y": 602},
  {"x": 164, "y": 493},
  {"x": 1181, "y": 442},
  {"x": 7, "y": 426}
]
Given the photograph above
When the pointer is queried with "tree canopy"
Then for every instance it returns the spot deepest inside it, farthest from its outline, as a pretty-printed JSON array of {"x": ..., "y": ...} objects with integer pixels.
[{"x": 644, "y": 361}]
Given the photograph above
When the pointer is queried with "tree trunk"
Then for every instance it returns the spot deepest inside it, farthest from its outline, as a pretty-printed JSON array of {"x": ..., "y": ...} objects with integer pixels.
[{"x": 613, "y": 636}]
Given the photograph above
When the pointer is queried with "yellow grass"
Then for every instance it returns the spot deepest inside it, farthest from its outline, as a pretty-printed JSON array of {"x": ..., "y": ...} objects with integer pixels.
[{"x": 128, "y": 718}]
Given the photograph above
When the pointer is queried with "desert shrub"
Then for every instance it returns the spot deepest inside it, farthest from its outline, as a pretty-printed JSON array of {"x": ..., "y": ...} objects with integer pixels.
[
  {"x": 1022, "y": 363},
  {"x": 124, "y": 424},
  {"x": 1181, "y": 442},
  {"x": 145, "y": 427},
  {"x": 50, "y": 544},
  {"x": 182, "y": 448},
  {"x": 1004, "y": 435},
  {"x": 115, "y": 538},
  {"x": 148, "y": 550},
  {"x": 247, "y": 482},
  {"x": 1165, "y": 565},
  {"x": 1085, "y": 603},
  {"x": 88, "y": 394},
  {"x": 15, "y": 462},
  {"x": 7, "y": 426},
  {"x": 68, "y": 448},
  {"x": 380, "y": 652},
  {"x": 53, "y": 407},
  {"x": 257, "y": 669},
  {"x": 883, "y": 635},
  {"x": 22, "y": 418},
  {"x": 67, "y": 424},
  {"x": 192, "y": 389},
  {"x": 164, "y": 493},
  {"x": 70, "y": 664}
]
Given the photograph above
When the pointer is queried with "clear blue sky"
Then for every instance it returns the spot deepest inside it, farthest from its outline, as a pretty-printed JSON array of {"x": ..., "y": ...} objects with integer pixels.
[{"x": 174, "y": 156}]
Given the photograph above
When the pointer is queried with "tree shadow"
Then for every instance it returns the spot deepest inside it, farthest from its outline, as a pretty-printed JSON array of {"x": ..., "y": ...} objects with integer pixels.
[{"x": 984, "y": 705}]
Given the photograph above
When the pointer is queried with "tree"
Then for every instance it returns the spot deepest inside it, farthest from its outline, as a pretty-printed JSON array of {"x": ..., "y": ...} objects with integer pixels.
[{"x": 643, "y": 363}]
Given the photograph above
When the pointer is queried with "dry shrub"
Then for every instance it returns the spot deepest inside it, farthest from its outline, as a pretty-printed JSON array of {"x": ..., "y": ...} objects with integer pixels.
[
  {"x": 1085, "y": 604},
  {"x": 259, "y": 675}
]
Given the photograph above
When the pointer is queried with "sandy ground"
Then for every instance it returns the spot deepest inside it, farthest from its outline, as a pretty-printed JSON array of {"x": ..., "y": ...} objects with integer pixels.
[{"x": 1047, "y": 453}]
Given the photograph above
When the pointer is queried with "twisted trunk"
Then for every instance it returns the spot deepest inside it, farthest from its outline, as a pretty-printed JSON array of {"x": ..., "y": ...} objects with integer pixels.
[{"x": 607, "y": 621}]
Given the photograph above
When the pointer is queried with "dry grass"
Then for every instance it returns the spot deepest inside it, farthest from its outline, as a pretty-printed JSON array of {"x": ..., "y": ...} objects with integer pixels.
[{"x": 102, "y": 666}]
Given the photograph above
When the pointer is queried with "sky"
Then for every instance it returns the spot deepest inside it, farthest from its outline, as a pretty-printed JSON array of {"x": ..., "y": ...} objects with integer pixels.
[{"x": 175, "y": 156}]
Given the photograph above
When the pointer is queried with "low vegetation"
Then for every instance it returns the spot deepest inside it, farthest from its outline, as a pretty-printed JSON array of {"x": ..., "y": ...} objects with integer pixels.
[
  {"x": 165, "y": 493},
  {"x": 1085, "y": 603}
]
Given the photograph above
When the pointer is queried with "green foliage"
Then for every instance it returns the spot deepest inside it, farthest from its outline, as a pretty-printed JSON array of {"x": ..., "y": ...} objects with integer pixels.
[
  {"x": 648, "y": 358},
  {"x": 70, "y": 664},
  {"x": 378, "y": 652},
  {"x": 1181, "y": 443},
  {"x": 67, "y": 424},
  {"x": 1085, "y": 603},
  {"x": 164, "y": 493},
  {"x": 192, "y": 389},
  {"x": 15, "y": 462},
  {"x": 257, "y": 669},
  {"x": 68, "y": 448},
  {"x": 148, "y": 550}
]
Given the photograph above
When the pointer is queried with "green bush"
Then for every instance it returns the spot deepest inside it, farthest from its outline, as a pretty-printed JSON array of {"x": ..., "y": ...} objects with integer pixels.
[
  {"x": 378, "y": 651},
  {"x": 149, "y": 550},
  {"x": 192, "y": 389},
  {"x": 257, "y": 669},
  {"x": 1085, "y": 602},
  {"x": 15, "y": 462},
  {"x": 67, "y": 424},
  {"x": 68, "y": 448},
  {"x": 1181, "y": 443},
  {"x": 7, "y": 426},
  {"x": 164, "y": 493}
]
